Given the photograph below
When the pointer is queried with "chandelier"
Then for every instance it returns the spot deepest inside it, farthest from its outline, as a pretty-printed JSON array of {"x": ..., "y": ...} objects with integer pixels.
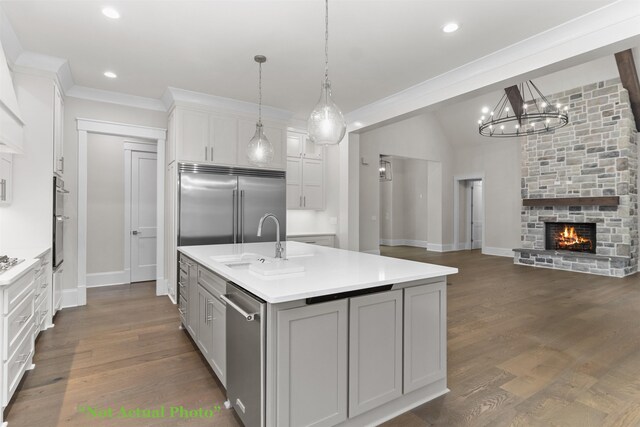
[{"x": 530, "y": 113}]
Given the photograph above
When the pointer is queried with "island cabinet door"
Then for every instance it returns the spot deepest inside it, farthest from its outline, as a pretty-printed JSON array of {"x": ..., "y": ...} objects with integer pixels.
[
  {"x": 192, "y": 300},
  {"x": 218, "y": 359},
  {"x": 425, "y": 335},
  {"x": 375, "y": 350},
  {"x": 205, "y": 323},
  {"x": 311, "y": 377}
]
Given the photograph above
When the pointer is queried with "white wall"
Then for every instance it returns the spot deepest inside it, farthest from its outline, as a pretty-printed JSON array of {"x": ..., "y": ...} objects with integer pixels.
[
  {"x": 27, "y": 222},
  {"x": 79, "y": 108},
  {"x": 419, "y": 137}
]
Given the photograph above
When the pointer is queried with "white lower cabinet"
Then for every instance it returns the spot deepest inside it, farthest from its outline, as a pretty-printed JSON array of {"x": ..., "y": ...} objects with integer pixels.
[
  {"x": 312, "y": 365},
  {"x": 17, "y": 332},
  {"x": 375, "y": 350},
  {"x": 203, "y": 314},
  {"x": 425, "y": 335}
]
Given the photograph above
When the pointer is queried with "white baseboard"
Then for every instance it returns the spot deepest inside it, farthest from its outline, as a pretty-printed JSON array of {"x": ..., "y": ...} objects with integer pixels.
[
  {"x": 505, "y": 252},
  {"x": 404, "y": 242},
  {"x": 69, "y": 298},
  {"x": 437, "y": 247},
  {"x": 462, "y": 246},
  {"x": 108, "y": 278},
  {"x": 373, "y": 252}
]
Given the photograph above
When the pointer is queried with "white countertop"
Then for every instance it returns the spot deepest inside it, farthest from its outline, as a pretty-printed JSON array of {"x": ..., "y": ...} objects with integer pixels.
[
  {"x": 25, "y": 253},
  {"x": 327, "y": 270},
  {"x": 15, "y": 272}
]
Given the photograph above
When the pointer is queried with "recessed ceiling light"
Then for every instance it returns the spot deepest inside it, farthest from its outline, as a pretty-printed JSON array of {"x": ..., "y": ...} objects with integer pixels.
[
  {"x": 450, "y": 27},
  {"x": 357, "y": 124},
  {"x": 110, "y": 12},
  {"x": 110, "y": 74}
]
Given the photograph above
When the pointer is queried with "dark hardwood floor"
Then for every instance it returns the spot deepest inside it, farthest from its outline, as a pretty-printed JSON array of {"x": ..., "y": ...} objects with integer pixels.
[{"x": 526, "y": 347}]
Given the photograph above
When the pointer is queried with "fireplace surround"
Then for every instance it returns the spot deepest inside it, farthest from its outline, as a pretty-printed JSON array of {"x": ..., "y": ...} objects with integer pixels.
[{"x": 584, "y": 173}]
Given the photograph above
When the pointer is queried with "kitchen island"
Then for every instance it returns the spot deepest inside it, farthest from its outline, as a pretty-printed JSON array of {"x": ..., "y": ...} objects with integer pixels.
[{"x": 327, "y": 337}]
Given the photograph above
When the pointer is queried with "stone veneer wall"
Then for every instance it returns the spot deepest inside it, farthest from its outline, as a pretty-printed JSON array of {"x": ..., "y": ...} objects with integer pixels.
[{"x": 595, "y": 155}]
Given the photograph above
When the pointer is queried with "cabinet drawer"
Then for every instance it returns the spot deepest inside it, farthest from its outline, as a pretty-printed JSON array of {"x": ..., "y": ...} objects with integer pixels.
[
  {"x": 14, "y": 368},
  {"x": 17, "y": 292},
  {"x": 182, "y": 290},
  {"x": 41, "y": 290},
  {"x": 182, "y": 309},
  {"x": 17, "y": 323},
  {"x": 41, "y": 312},
  {"x": 211, "y": 282},
  {"x": 183, "y": 263}
]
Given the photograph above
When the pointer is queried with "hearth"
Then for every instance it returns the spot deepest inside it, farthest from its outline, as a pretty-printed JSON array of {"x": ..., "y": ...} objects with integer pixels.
[{"x": 570, "y": 236}]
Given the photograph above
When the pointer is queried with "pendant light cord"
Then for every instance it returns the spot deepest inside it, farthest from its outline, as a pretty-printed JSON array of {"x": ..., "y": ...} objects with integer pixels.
[
  {"x": 260, "y": 93},
  {"x": 326, "y": 41}
]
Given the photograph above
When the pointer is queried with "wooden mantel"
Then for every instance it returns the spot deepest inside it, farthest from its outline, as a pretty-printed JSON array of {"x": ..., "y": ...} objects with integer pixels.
[{"x": 573, "y": 201}]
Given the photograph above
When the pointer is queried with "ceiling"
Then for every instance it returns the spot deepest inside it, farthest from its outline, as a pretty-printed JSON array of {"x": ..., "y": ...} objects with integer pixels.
[{"x": 377, "y": 48}]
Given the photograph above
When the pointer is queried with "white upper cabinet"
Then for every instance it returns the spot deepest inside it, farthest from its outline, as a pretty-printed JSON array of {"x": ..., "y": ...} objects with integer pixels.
[
  {"x": 58, "y": 134},
  {"x": 211, "y": 137},
  {"x": 192, "y": 135},
  {"x": 305, "y": 173},
  {"x": 299, "y": 145},
  {"x": 223, "y": 134}
]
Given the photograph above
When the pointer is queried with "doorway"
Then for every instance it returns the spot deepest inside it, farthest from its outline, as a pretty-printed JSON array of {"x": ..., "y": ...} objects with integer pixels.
[
  {"x": 468, "y": 213},
  {"x": 141, "y": 229},
  {"x": 88, "y": 129}
]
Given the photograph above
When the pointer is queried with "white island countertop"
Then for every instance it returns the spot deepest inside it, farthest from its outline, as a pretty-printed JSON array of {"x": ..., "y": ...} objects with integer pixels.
[{"x": 326, "y": 270}]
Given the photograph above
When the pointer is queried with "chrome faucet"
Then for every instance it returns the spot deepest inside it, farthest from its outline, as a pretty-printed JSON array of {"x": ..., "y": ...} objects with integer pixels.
[{"x": 279, "y": 249}]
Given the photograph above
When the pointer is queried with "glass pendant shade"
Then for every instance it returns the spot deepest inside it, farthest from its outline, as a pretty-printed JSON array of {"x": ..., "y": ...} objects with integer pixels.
[
  {"x": 260, "y": 150},
  {"x": 326, "y": 124}
]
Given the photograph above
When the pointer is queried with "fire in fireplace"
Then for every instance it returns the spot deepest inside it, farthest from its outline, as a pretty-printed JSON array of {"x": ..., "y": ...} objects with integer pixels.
[{"x": 567, "y": 236}]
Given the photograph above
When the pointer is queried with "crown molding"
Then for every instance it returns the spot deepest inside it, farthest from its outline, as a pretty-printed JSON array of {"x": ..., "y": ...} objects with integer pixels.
[
  {"x": 99, "y": 95},
  {"x": 604, "y": 31},
  {"x": 175, "y": 96}
]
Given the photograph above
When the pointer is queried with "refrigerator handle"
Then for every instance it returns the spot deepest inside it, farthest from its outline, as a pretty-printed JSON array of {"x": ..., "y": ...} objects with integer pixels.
[
  {"x": 235, "y": 216},
  {"x": 242, "y": 215}
]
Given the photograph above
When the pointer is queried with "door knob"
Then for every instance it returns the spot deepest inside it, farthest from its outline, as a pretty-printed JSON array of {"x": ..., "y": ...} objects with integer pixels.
[{"x": 134, "y": 232}]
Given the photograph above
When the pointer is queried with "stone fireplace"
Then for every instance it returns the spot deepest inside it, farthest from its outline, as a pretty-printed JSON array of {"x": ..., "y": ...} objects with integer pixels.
[{"x": 579, "y": 187}]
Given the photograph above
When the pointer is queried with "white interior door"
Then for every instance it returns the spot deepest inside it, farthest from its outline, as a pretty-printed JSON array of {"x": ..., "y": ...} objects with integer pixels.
[
  {"x": 143, "y": 216},
  {"x": 477, "y": 220}
]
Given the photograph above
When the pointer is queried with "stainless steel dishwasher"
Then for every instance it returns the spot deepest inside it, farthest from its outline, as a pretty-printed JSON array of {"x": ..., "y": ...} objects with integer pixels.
[{"x": 246, "y": 328}]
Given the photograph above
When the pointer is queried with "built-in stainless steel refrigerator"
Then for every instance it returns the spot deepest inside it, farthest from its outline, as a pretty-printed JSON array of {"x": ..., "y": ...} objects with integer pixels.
[{"x": 224, "y": 205}]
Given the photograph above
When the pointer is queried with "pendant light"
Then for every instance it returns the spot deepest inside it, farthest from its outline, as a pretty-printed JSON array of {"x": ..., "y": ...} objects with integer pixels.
[
  {"x": 326, "y": 125},
  {"x": 260, "y": 150}
]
